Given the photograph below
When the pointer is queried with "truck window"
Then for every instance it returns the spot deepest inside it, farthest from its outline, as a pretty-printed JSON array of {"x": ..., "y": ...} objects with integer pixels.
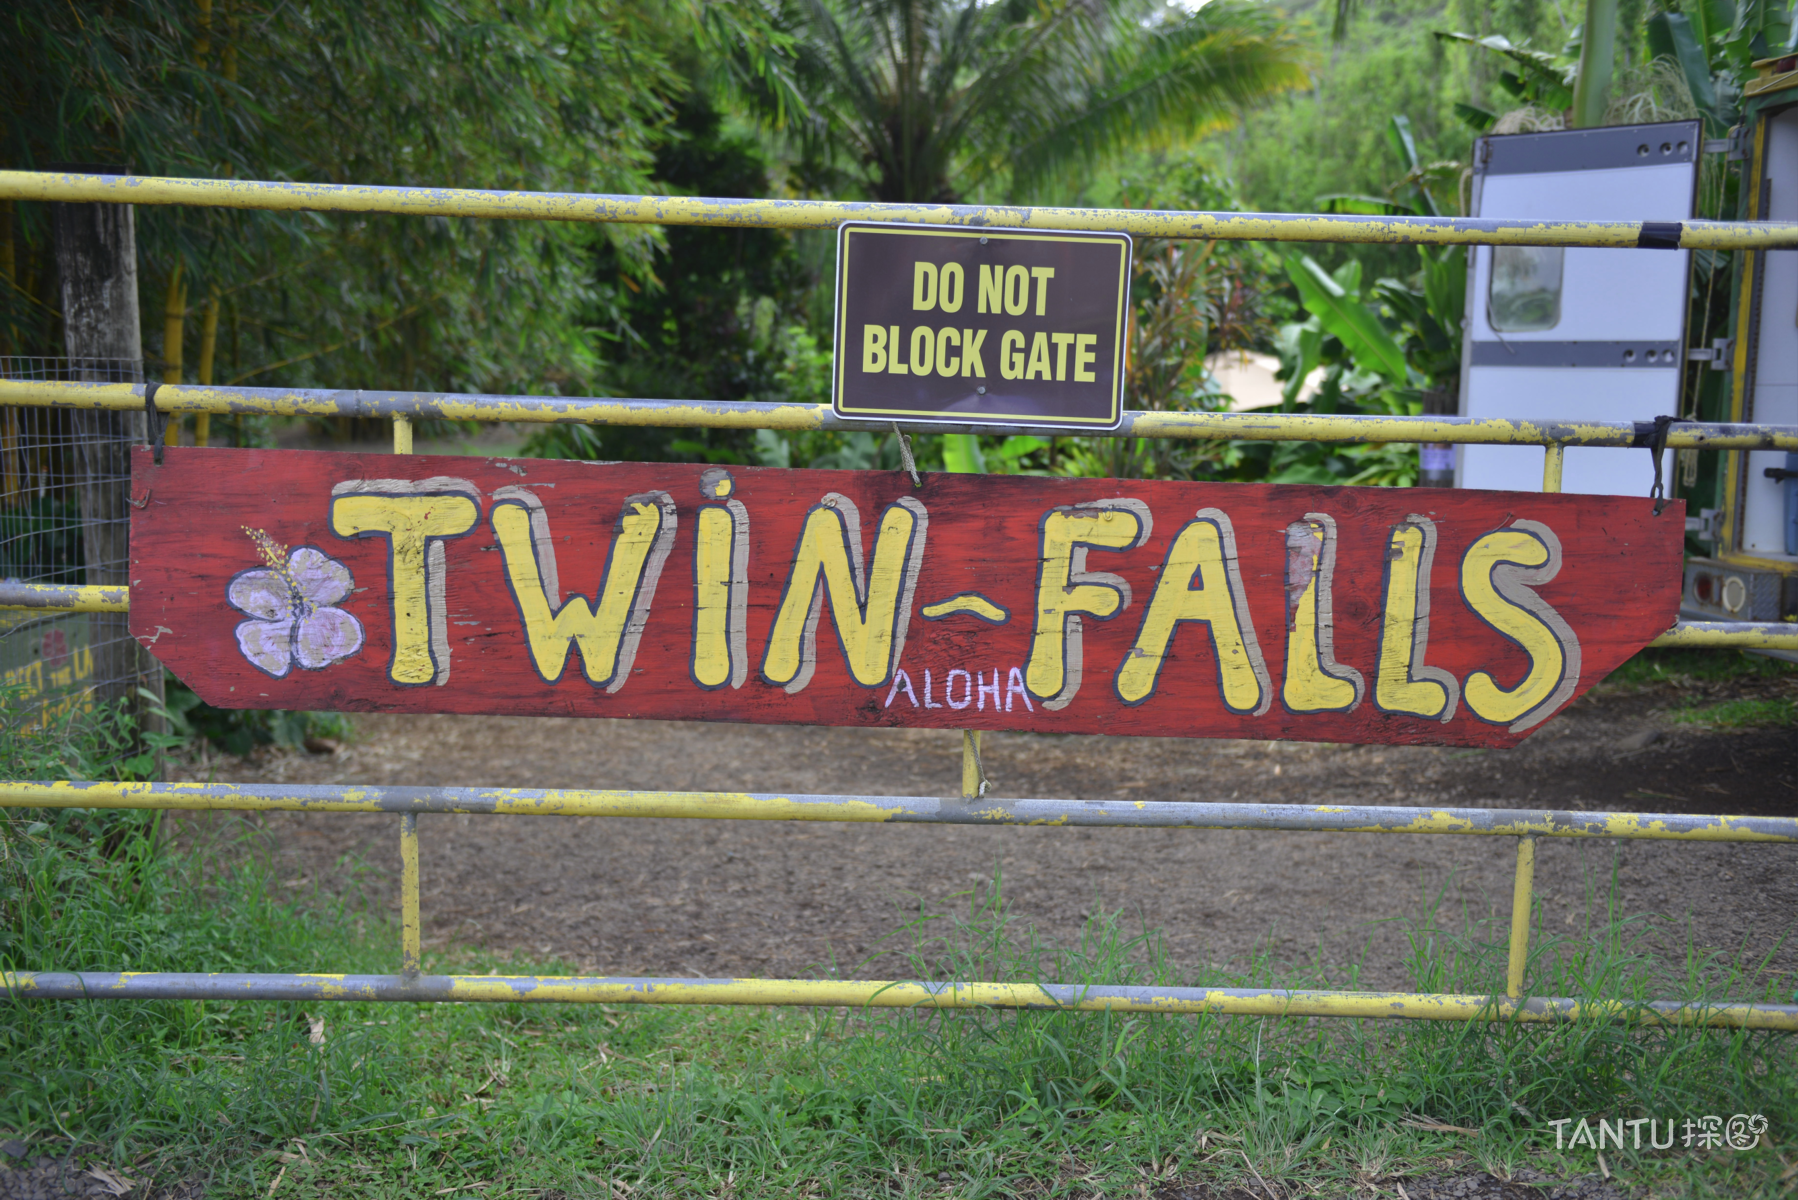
[{"x": 1526, "y": 288}]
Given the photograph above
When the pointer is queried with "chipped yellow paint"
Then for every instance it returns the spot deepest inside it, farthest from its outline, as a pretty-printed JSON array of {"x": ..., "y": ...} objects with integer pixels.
[
  {"x": 902, "y": 994},
  {"x": 826, "y": 214},
  {"x": 504, "y": 801},
  {"x": 286, "y": 402},
  {"x": 751, "y": 807},
  {"x": 411, "y": 944},
  {"x": 1702, "y": 635},
  {"x": 1249, "y": 426},
  {"x": 65, "y": 597}
]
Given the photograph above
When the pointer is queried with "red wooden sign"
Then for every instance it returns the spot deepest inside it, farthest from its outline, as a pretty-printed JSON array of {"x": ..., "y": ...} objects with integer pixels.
[{"x": 297, "y": 580}]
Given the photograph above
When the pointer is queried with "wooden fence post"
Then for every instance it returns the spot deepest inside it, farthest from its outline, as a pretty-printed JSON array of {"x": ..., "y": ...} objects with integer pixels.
[{"x": 96, "y": 261}]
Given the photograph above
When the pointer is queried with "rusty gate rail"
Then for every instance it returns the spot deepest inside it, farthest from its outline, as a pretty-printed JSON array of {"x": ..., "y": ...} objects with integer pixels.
[
  {"x": 599, "y": 208},
  {"x": 903, "y": 810},
  {"x": 751, "y": 414},
  {"x": 855, "y": 993}
]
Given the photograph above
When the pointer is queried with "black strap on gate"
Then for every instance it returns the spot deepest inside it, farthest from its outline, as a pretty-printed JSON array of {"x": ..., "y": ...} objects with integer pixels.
[
  {"x": 1653, "y": 435},
  {"x": 158, "y": 422}
]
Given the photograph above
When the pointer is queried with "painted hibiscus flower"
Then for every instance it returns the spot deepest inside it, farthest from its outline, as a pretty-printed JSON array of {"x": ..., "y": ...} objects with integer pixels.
[{"x": 293, "y": 602}]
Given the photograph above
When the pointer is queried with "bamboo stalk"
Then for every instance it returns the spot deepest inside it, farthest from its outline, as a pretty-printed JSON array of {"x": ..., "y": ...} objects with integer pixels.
[
  {"x": 173, "y": 330},
  {"x": 209, "y": 336}
]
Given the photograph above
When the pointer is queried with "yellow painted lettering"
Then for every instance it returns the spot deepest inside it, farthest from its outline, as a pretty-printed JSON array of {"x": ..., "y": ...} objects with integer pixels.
[
  {"x": 1085, "y": 357},
  {"x": 874, "y": 348},
  {"x": 894, "y": 366},
  {"x": 946, "y": 363},
  {"x": 608, "y": 631},
  {"x": 923, "y": 286},
  {"x": 1499, "y": 575},
  {"x": 1066, "y": 592},
  {"x": 1017, "y": 290},
  {"x": 923, "y": 348},
  {"x": 871, "y": 612},
  {"x": 971, "y": 363},
  {"x": 1042, "y": 275},
  {"x": 1039, "y": 357},
  {"x": 948, "y": 297},
  {"x": 720, "y": 595},
  {"x": 1315, "y": 681},
  {"x": 1011, "y": 355},
  {"x": 414, "y": 517},
  {"x": 1403, "y": 683},
  {"x": 1062, "y": 342},
  {"x": 1200, "y": 581},
  {"x": 992, "y": 286}
]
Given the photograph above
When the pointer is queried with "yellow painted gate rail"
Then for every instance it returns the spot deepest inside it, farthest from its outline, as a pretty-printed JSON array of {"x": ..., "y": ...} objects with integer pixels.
[{"x": 404, "y": 407}]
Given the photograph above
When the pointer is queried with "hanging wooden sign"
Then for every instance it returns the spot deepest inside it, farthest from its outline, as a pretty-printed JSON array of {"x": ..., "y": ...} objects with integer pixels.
[
  {"x": 981, "y": 326},
  {"x": 296, "y": 580}
]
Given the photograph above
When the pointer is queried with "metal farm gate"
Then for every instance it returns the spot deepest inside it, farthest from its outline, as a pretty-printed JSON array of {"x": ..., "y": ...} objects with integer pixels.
[{"x": 401, "y": 408}]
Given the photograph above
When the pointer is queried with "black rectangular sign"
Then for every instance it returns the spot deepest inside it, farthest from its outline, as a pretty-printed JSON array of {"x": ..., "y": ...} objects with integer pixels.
[{"x": 981, "y": 327}]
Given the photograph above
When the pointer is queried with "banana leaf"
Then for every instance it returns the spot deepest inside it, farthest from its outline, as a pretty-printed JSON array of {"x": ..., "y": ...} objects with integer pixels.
[{"x": 1342, "y": 314}]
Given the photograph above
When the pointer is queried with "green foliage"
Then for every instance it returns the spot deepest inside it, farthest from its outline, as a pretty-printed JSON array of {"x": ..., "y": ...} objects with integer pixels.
[
  {"x": 96, "y": 741},
  {"x": 1333, "y": 140},
  {"x": 553, "y": 96},
  {"x": 42, "y": 540},
  {"x": 1528, "y": 76},
  {"x": 1429, "y": 314},
  {"x": 1340, "y": 313},
  {"x": 936, "y": 100},
  {"x": 240, "y": 731}
]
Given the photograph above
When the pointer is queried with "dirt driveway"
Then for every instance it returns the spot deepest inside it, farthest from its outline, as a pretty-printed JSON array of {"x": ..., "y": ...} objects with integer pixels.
[{"x": 716, "y": 898}]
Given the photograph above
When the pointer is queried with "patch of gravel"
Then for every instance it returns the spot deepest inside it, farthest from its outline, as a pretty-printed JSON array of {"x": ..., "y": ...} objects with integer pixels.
[{"x": 78, "y": 1176}]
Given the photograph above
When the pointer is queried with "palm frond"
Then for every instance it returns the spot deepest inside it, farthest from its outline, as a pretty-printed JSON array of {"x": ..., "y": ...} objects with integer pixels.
[{"x": 1185, "y": 80}]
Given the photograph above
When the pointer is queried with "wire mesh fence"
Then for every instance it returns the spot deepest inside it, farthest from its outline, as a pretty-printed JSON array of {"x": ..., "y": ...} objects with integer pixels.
[{"x": 65, "y": 493}]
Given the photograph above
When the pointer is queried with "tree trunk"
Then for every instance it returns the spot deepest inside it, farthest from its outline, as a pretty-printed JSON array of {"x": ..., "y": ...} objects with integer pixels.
[{"x": 96, "y": 259}]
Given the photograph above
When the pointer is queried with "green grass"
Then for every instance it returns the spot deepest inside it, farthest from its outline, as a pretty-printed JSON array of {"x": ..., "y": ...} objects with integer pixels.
[
  {"x": 1740, "y": 714},
  {"x": 1684, "y": 668},
  {"x": 628, "y": 1103},
  {"x": 416, "y": 1100}
]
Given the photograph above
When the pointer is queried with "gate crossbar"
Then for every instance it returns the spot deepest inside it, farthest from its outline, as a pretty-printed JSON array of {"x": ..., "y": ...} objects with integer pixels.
[
  {"x": 772, "y": 806},
  {"x": 856, "y": 993},
  {"x": 828, "y": 214},
  {"x": 798, "y": 418}
]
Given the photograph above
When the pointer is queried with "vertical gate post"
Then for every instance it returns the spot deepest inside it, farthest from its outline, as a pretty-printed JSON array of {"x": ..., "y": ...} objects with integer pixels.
[
  {"x": 1554, "y": 459},
  {"x": 973, "y": 779},
  {"x": 96, "y": 262},
  {"x": 411, "y": 943},
  {"x": 1523, "y": 888},
  {"x": 1522, "y": 892},
  {"x": 411, "y": 938}
]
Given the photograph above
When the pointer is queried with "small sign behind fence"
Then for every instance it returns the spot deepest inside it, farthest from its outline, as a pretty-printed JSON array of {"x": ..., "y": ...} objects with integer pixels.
[
  {"x": 286, "y": 579},
  {"x": 978, "y": 327}
]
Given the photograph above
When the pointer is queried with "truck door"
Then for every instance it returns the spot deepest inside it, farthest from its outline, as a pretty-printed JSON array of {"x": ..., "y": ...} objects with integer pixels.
[{"x": 1578, "y": 333}]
